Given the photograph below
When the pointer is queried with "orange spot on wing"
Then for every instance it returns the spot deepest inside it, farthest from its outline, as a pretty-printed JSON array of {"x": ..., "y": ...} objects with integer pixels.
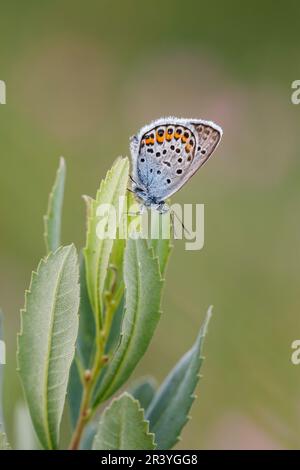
[
  {"x": 184, "y": 139},
  {"x": 160, "y": 138},
  {"x": 188, "y": 148},
  {"x": 170, "y": 136}
]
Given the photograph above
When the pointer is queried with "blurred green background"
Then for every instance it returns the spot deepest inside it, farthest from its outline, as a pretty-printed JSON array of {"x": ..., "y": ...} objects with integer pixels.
[{"x": 81, "y": 78}]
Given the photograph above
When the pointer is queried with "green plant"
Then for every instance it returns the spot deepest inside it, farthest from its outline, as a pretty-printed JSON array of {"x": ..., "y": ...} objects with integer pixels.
[{"x": 86, "y": 324}]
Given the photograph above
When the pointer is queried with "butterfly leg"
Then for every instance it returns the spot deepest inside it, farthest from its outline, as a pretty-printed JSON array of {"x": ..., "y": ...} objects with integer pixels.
[{"x": 162, "y": 207}]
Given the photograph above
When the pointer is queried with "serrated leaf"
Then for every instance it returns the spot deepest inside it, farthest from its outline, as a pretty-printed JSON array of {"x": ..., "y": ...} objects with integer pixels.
[
  {"x": 46, "y": 344},
  {"x": 97, "y": 251},
  {"x": 84, "y": 347},
  {"x": 123, "y": 427},
  {"x": 143, "y": 292},
  {"x": 114, "y": 281},
  {"x": 168, "y": 411},
  {"x": 144, "y": 390},
  {"x": 52, "y": 220},
  {"x": 4, "y": 445}
]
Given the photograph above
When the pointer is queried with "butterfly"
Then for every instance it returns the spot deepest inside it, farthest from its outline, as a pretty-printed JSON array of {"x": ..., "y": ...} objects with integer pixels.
[{"x": 166, "y": 153}]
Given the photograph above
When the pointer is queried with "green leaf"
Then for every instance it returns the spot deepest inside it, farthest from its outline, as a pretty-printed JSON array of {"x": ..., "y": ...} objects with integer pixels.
[
  {"x": 161, "y": 247},
  {"x": 4, "y": 445},
  {"x": 144, "y": 390},
  {"x": 168, "y": 411},
  {"x": 114, "y": 281},
  {"x": 115, "y": 329},
  {"x": 24, "y": 436},
  {"x": 85, "y": 344},
  {"x": 87, "y": 332},
  {"x": 84, "y": 348},
  {"x": 97, "y": 251},
  {"x": 75, "y": 390},
  {"x": 143, "y": 292},
  {"x": 52, "y": 220},
  {"x": 86, "y": 443},
  {"x": 46, "y": 344},
  {"x": 123, "y": 427}
]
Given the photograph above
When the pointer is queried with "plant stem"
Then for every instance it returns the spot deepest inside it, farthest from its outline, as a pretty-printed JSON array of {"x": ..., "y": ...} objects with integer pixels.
[{"x": 90, "y": 377}]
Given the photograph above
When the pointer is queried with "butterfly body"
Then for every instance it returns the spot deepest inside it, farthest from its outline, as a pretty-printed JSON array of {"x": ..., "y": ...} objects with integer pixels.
[{"x": 166, "y": 154}]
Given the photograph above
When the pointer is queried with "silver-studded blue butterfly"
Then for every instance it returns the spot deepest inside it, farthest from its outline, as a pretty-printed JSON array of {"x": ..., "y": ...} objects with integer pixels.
[{"x": 167, "y": 153}]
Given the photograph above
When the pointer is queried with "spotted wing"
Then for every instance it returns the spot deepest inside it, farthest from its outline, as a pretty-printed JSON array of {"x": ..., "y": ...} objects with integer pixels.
[
  {"x": 168, "y": 154},
  {"x": 208, "y": 135}
]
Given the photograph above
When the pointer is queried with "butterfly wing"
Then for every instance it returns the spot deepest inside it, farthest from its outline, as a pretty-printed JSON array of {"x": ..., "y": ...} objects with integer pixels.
[{"x": 169, "y": 151}]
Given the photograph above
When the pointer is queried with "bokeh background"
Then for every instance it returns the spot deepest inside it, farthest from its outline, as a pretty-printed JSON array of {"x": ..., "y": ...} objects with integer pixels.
[{"x": 81, "y": 78}]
